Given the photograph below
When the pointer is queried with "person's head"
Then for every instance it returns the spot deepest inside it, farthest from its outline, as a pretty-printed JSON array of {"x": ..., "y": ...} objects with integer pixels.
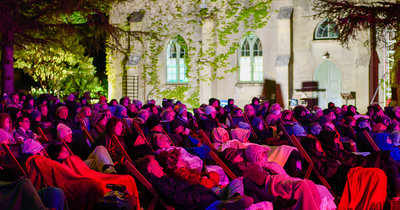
[
  {"x": 350, "y": 121},
  {"x": 220, "y": 135},
  {"x": 43, "y": 109},
  {"x": 138, "y": 104},
  {"x": 363, "y": 123},
  {"x": 113, "y": 102},
  {"x": 249, "y": 110},
  {"x": 236, "y": 112},
  {"x": 124, "y": 101},
  {"x": 210, "y": 111},
  {"x": 57, "y": 152},
  {"x": 14, "y": 98},
  {"x": 144, "y": 114},
  {"x": 154, "y": 124},
  {"x": 182, "y": 110},
  {"x": 121, "y": 111},
  {"x": 257, "y": 154},
  {"x": 132, "y": 108},
  {"x": 213, "y": 102},
  {"x": 287, "y": 115},
  {"x": 395, "y": 125},
  {"x": 167, "y": 105},
  {"x": 325, "y": 120},
  {"x": 330, "y": 113},
  {"x": 102, "y": 100},
  {"x": 257, "y": 122},
  {"x": 32, "y": 147},
  {"x": 36, "y": 116},
  {"x": 84, "y": 113},
  {"x": 71, "y": 97},
  {"x": 231, "y": 101},
  {"x": 114, "y": 126},
  {"x": 153, "y": 109},
  {"x": 64, "y": 132},
  {"x": 149, "y": 165},
  {"x": 27, "y": 107},
  {"x": 62, "y": 112},
  {"x": 353, "y": 109},
  {"x": 55, "y": 101},
  {"x": 331, "y": 105},
  {"x": 318, "y": 113},
  {"x": 338, "y": 111},
  {"x": 5, "y": 122},
  {"x": 298, "y": 130},
  {"x": 385, "y": 120},
  {"x": 103, "y": 106},
  {"x": 395, "y": 137},
  {"x": 220, "y": 110},
  {"x": 276, "y": 109},
  {"x": 151, "y": 101},
  {"x": 255, "y": 101},
  {"x": 23, "y": 122},
  {"x": 344, "y": 108},
  {"x": 171, "y": 160},
  {"x": 168, "y": 115},
  {"x": 103, "y": 119},
  {"x": 315, "y": 128}
]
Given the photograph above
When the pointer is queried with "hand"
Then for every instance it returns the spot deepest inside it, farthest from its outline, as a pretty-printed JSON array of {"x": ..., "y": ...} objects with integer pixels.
[{"x": 186, "y": 131}]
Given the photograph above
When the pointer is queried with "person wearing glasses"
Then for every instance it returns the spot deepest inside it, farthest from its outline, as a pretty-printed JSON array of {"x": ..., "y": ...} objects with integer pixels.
[{"x": 22, "y": 132}]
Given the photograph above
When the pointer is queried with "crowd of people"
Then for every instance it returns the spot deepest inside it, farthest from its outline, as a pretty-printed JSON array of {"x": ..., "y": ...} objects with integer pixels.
[{"x": 170, "y": 153}]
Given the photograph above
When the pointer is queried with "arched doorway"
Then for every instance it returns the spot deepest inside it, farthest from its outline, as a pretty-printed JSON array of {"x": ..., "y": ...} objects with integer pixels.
[{"x": 328, "y": 77}]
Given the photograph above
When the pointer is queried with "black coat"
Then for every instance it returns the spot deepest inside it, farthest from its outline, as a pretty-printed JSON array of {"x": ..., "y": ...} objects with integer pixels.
[{"x": 182, "y": 195}]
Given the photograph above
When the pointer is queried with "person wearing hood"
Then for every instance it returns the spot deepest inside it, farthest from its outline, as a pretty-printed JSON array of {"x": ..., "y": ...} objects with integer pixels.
[
  {"x": 304, "y": 191},
  {"x": 351, "y": 111},
  {"x": 315, "y": 128},
  {"x": 287, "y": 117},
  {"x": 182, "y": 118},
  {"x": 338, "y": 113},
  {"x": 99, "y": 122},
  {"x": 300, "y": 114},
  {"x": 120, "y": 111},
  {"x": 326, "y": 123},
  {"x": 391, "y": 142},
  {"x": 263, "y": 112},
  {"x": 298, "y": 130},
  {"x": 138, "y": 104},
  {"x": 363, "y": 143},
  {"x": 275, "y": 114},
  {"x": 262, "y": 133},
  {"x": 95, "y": 108},
  {"x": 231, "y": 103},
  {"x": 255, "y": 102}
]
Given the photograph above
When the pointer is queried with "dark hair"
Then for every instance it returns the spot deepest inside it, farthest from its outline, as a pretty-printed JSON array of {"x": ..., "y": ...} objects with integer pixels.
[
  {"x": 212, "y": 100},
  {"x": 3, "y": 117},
  {"x": 142, "y": 163},
  {"x": 53, "y": 150},
  {"x": 41, "y": 106},
  {"x": 111, "y": 125},
  {"x": 348, "y": 120},
  {"x": 13, "y": 94},
  {"x": 169, "y": 159},
  {"x": 20, "y": 119}
]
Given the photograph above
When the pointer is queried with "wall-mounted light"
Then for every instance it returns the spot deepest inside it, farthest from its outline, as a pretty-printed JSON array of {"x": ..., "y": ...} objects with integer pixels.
[{"x": 326, "y": 55}]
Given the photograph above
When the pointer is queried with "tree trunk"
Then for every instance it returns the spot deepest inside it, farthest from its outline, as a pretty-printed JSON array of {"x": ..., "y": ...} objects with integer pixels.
[{"x": 7, "y": 63}]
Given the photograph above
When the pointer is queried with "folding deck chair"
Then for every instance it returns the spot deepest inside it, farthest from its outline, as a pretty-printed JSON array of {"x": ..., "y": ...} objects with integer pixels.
[
  {"x": 311, "y": 167},
  {"x": 128, "y": 163},
  {"x": 47, "y": 134},
  {"x": 285, "y": 133},
  {"x": 13, "y": 151},
  {"x": 371, "y": 141},
  {"x": 86, "y": 131}
]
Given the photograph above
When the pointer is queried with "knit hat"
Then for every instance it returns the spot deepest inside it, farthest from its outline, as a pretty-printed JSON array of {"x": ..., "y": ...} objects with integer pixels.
[
  {"x": 318, "y": 110},
  {"x": 137, "y": 103},
  {"x": 152, "y": 122},
  {"x": 360, "y": 120},
  {"x": 324, "y": 119},
  {"x": 102, "y": 98},
  {"x": 209, "y": 109},
  {"x": 181, "y": 109},
  {"x": 298, "y": 130},
  {"x": 35, "y": 114},
  {"x": 31, "y": 147},
  {"x": 71, "y": 96},
  {"x": 63, "y": 130},
  {"x": 253, "y": 151},
  {"x": 118, "y": 110},
  {"x": 255, "y": 121}
]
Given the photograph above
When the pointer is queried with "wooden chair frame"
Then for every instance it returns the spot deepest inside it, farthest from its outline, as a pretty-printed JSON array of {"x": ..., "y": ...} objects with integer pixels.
[
  {"x": 371, "y": 141},
  {"x": 214, "y": 156},
  {"x": 140, "y": 177},
  {"x": 253, "y": 133},
  {"x": 86, "y": 131},
  {"x": 311, "y": 166},
  {"x": 40, "y": 131},
  {"x": 352, "y": 132},
  {"x": 231, "y": 122},
  {"x": 128, "y": 128},
  {"x": 285, "y": 133},
  {"x": 10, "y": 155}
]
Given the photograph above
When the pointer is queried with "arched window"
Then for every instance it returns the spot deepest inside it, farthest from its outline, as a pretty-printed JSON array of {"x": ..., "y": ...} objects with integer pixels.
[
  {"x": 251, "y": 60},
  {"x": 326, "y": 30},
  {"x": 176, "y": 66}
]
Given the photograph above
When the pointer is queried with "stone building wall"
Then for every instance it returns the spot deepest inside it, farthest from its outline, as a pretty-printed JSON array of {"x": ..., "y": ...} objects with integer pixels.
[{"x": 284, "y": 37}]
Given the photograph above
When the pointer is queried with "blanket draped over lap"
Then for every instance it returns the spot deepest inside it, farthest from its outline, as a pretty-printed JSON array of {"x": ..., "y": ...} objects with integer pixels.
[
  {"x": 81, "y": 185},
  {"x": 372, "y": 182}
]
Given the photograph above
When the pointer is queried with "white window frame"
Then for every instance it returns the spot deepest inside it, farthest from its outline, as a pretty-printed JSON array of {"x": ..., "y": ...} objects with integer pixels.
[{"x": 253, "y": 62}]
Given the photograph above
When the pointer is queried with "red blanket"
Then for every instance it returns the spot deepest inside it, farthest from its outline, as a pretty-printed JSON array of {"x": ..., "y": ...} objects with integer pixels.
[
  {"x": 365, "y": 189},
  {"x": 81, "y": 186}
]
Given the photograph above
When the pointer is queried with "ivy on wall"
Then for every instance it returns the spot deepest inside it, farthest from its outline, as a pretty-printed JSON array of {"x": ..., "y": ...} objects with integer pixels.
[{"x": 165, "y": 19}]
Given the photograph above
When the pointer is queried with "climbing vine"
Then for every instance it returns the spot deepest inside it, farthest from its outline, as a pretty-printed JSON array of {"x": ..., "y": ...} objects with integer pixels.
[{"x": 186, "y": 18}]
